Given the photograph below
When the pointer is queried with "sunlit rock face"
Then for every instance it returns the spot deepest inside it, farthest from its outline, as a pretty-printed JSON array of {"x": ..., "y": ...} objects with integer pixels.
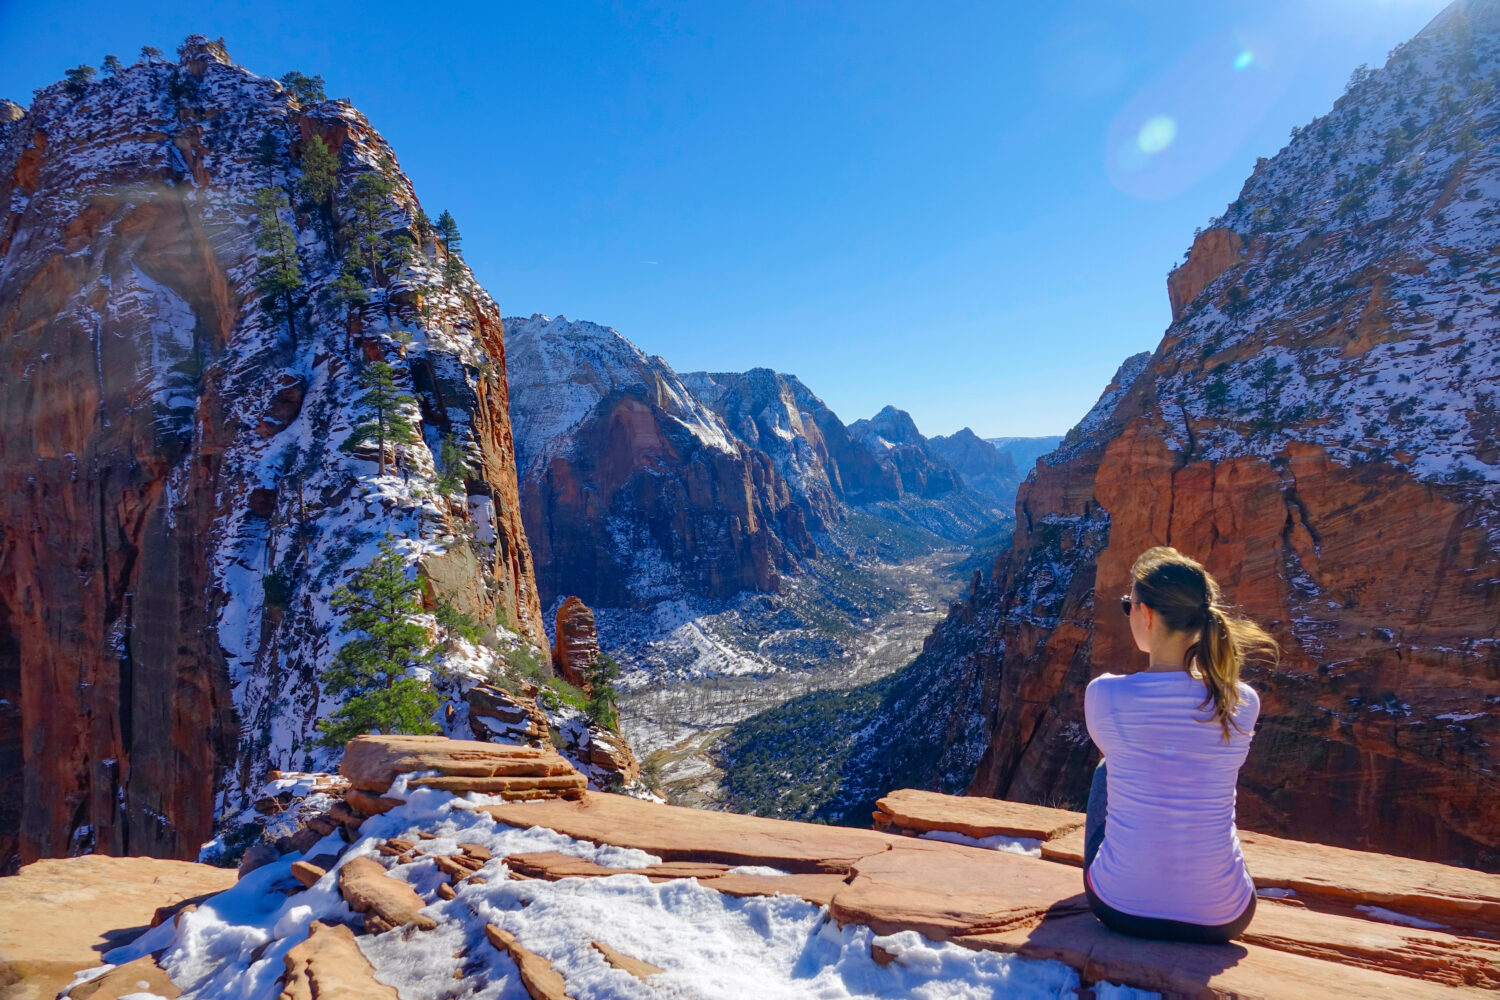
[
  {"x": 175, "y": 507},
  {"x": 1319, "y": 426}
]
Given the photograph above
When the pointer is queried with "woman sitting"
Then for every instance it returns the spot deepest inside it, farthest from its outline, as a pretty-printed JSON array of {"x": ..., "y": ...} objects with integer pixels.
[{"x": 1161, "y": 857}]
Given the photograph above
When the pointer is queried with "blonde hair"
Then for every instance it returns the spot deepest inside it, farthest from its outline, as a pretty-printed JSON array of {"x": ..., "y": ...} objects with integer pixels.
[{"x": 1189, "y": 600}]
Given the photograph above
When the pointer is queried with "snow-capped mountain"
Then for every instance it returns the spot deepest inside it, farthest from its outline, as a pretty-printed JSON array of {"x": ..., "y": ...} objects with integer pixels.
[{"x": 640, "y": 485}]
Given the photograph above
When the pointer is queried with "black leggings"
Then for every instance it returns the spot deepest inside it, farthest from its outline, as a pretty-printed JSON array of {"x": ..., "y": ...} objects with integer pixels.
[{"x": 1129, "y": 923}]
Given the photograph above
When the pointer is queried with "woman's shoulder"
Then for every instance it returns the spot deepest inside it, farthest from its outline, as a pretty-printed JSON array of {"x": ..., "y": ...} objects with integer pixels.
[{"x": 1249, "y": 700}]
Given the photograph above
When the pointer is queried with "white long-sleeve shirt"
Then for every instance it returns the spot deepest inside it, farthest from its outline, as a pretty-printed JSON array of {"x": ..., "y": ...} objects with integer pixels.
[{"x": 1170, "y": 849}]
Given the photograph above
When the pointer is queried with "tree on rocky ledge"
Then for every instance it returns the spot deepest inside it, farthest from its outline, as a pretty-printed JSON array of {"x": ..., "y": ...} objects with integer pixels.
[
  {"x": 279, "y": 275},
  {"x": 384, "y": 397},
  {"x": 453, "y": 262},
  {"x": 373, "y": 669},
  {"x": 305, "y": 89}
]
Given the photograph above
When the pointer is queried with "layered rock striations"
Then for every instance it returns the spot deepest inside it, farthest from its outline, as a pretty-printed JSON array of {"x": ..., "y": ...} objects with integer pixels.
[
  {"x": 1318, "y": 426},
  {"x": 632, "y": 489},
  {"x": 641, "y": 485},
  {"x": 177, "y": 507}
]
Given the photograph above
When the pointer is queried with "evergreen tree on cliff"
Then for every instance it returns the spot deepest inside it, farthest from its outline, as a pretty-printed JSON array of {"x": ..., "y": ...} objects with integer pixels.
[
  {"x": 319, "y": 178},
  {"x": 367, "y": 199},
  {"x": 305, "y": 89},
  {"x": 279, "y": 275},
  {"x": 447, "y": 231},
  {"x": 372, "y": 669},
  {"x": 383, "y": 396}
]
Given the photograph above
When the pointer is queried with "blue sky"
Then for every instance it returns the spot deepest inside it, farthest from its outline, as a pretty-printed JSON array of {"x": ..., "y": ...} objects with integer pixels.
[{"x": 964, "y": 209}]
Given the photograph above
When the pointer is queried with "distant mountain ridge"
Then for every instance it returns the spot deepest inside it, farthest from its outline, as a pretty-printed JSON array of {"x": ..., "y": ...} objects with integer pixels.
[{"x": 639, "y": 484}]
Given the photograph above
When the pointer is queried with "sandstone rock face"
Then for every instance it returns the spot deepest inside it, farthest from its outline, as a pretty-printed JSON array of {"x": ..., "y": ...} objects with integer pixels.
[
  {"x": 576, "y": 644},
  {"x": 641, "y": 485},
  {"x": 1214, "y": 251},
  {"x": 59, "y": 916},
  {"x": 981, "y": 465},
  {"x": 176, "y": 506},
  {"x": 1318, "y": 427},
  {"x": 632, "y": 488}
]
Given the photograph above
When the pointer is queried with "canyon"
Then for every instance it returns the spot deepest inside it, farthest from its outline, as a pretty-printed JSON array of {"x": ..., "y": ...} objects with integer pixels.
[{"x": 1318, "y": 426}]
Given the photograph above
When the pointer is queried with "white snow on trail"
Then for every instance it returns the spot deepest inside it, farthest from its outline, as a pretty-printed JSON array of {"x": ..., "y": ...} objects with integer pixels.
[{"x": 708, "y": 944}]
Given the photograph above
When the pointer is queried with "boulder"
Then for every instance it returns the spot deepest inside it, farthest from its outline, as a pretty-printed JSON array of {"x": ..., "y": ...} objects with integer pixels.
[
  {"x": 330, "y": 966},
  {"x": 372, "y": 763},
  {"x": 610, "y": 753},
  {"x": 368, "y": 889}
]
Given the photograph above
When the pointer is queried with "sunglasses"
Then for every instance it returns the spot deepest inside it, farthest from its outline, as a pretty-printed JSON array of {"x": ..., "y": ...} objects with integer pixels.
[{"x": 1126, "y": 603}]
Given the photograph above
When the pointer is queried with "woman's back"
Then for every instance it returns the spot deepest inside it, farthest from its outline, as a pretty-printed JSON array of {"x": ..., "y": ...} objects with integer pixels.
[{"x": 1170, "y": 849}]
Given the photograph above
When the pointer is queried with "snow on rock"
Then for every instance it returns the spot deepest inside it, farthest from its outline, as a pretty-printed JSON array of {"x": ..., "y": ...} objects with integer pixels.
[{"x": 182, "y": 446}]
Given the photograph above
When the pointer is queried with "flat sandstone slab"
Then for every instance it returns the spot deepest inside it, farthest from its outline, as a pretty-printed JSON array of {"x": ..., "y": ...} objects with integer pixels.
[
  {"x": 1008, "y": 902},
  {"x": 372, "y": 763},
  {"x": 677, "y": 834},
  {"x": 974, "y": 816},
  {"x": 60, "y": 915},
  {"x": 1459, "y": 897}
]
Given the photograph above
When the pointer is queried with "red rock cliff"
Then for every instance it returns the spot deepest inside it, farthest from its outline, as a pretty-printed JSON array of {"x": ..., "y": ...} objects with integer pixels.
[
  {"x": 1318, "y": 426},
  {"x": 175, "y": 508}
]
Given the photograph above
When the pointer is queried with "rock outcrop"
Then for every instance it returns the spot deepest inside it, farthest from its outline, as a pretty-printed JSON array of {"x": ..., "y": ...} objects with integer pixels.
[
  {"x": 1318, "y": 426},
  {"x": 59, "y": 916},
  {"x": 576, "y": 643},
  {"x": 1213, "y": 252},
  {"x": 329, "y": 966},
  {"x": 177, "y": 506},
  {"x": 461, "y": 877}
]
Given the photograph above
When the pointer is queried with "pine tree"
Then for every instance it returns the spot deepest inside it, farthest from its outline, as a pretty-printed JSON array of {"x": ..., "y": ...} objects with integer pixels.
[
  {"x": 279, "y": 275},
  {"x": 267, "y": 149},
  {"x": 372, "y": 669},
  {"x": 305, "y": 89},
  {"x": 453, "y": 265},
  {"x": 603, "y": 702},
  {"x": 319, "y": 174},
  {"x": 421, "y": 225},
  {"x": 112, "y": 64},
  {"x": 350, "y": 291},
  {"x": 453, "y": 466},
  {"x": 79, "y": 78},
  {"x": 150, "y": 53},
  {"x": 368, "y": 197},
  {"x": 388, "y": 402}
]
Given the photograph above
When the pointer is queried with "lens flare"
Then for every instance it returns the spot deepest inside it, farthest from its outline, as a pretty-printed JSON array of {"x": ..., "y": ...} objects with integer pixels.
[
  {"x": 1244, "y": 60},
  {"x": 1157, "y": 134}
]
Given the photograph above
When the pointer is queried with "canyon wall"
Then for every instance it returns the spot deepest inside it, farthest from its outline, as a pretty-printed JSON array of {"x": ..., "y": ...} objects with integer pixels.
[
  {"x": 1319, "y": 426},
  {"x": 177, "y": 504}
]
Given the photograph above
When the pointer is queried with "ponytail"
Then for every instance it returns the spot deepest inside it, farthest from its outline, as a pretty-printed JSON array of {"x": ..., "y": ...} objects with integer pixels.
[{"x": 1188, "y": 598}]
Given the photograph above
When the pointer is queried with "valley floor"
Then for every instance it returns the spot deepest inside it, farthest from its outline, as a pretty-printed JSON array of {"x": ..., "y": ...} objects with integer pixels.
[{"x": 725, "y": 666}]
